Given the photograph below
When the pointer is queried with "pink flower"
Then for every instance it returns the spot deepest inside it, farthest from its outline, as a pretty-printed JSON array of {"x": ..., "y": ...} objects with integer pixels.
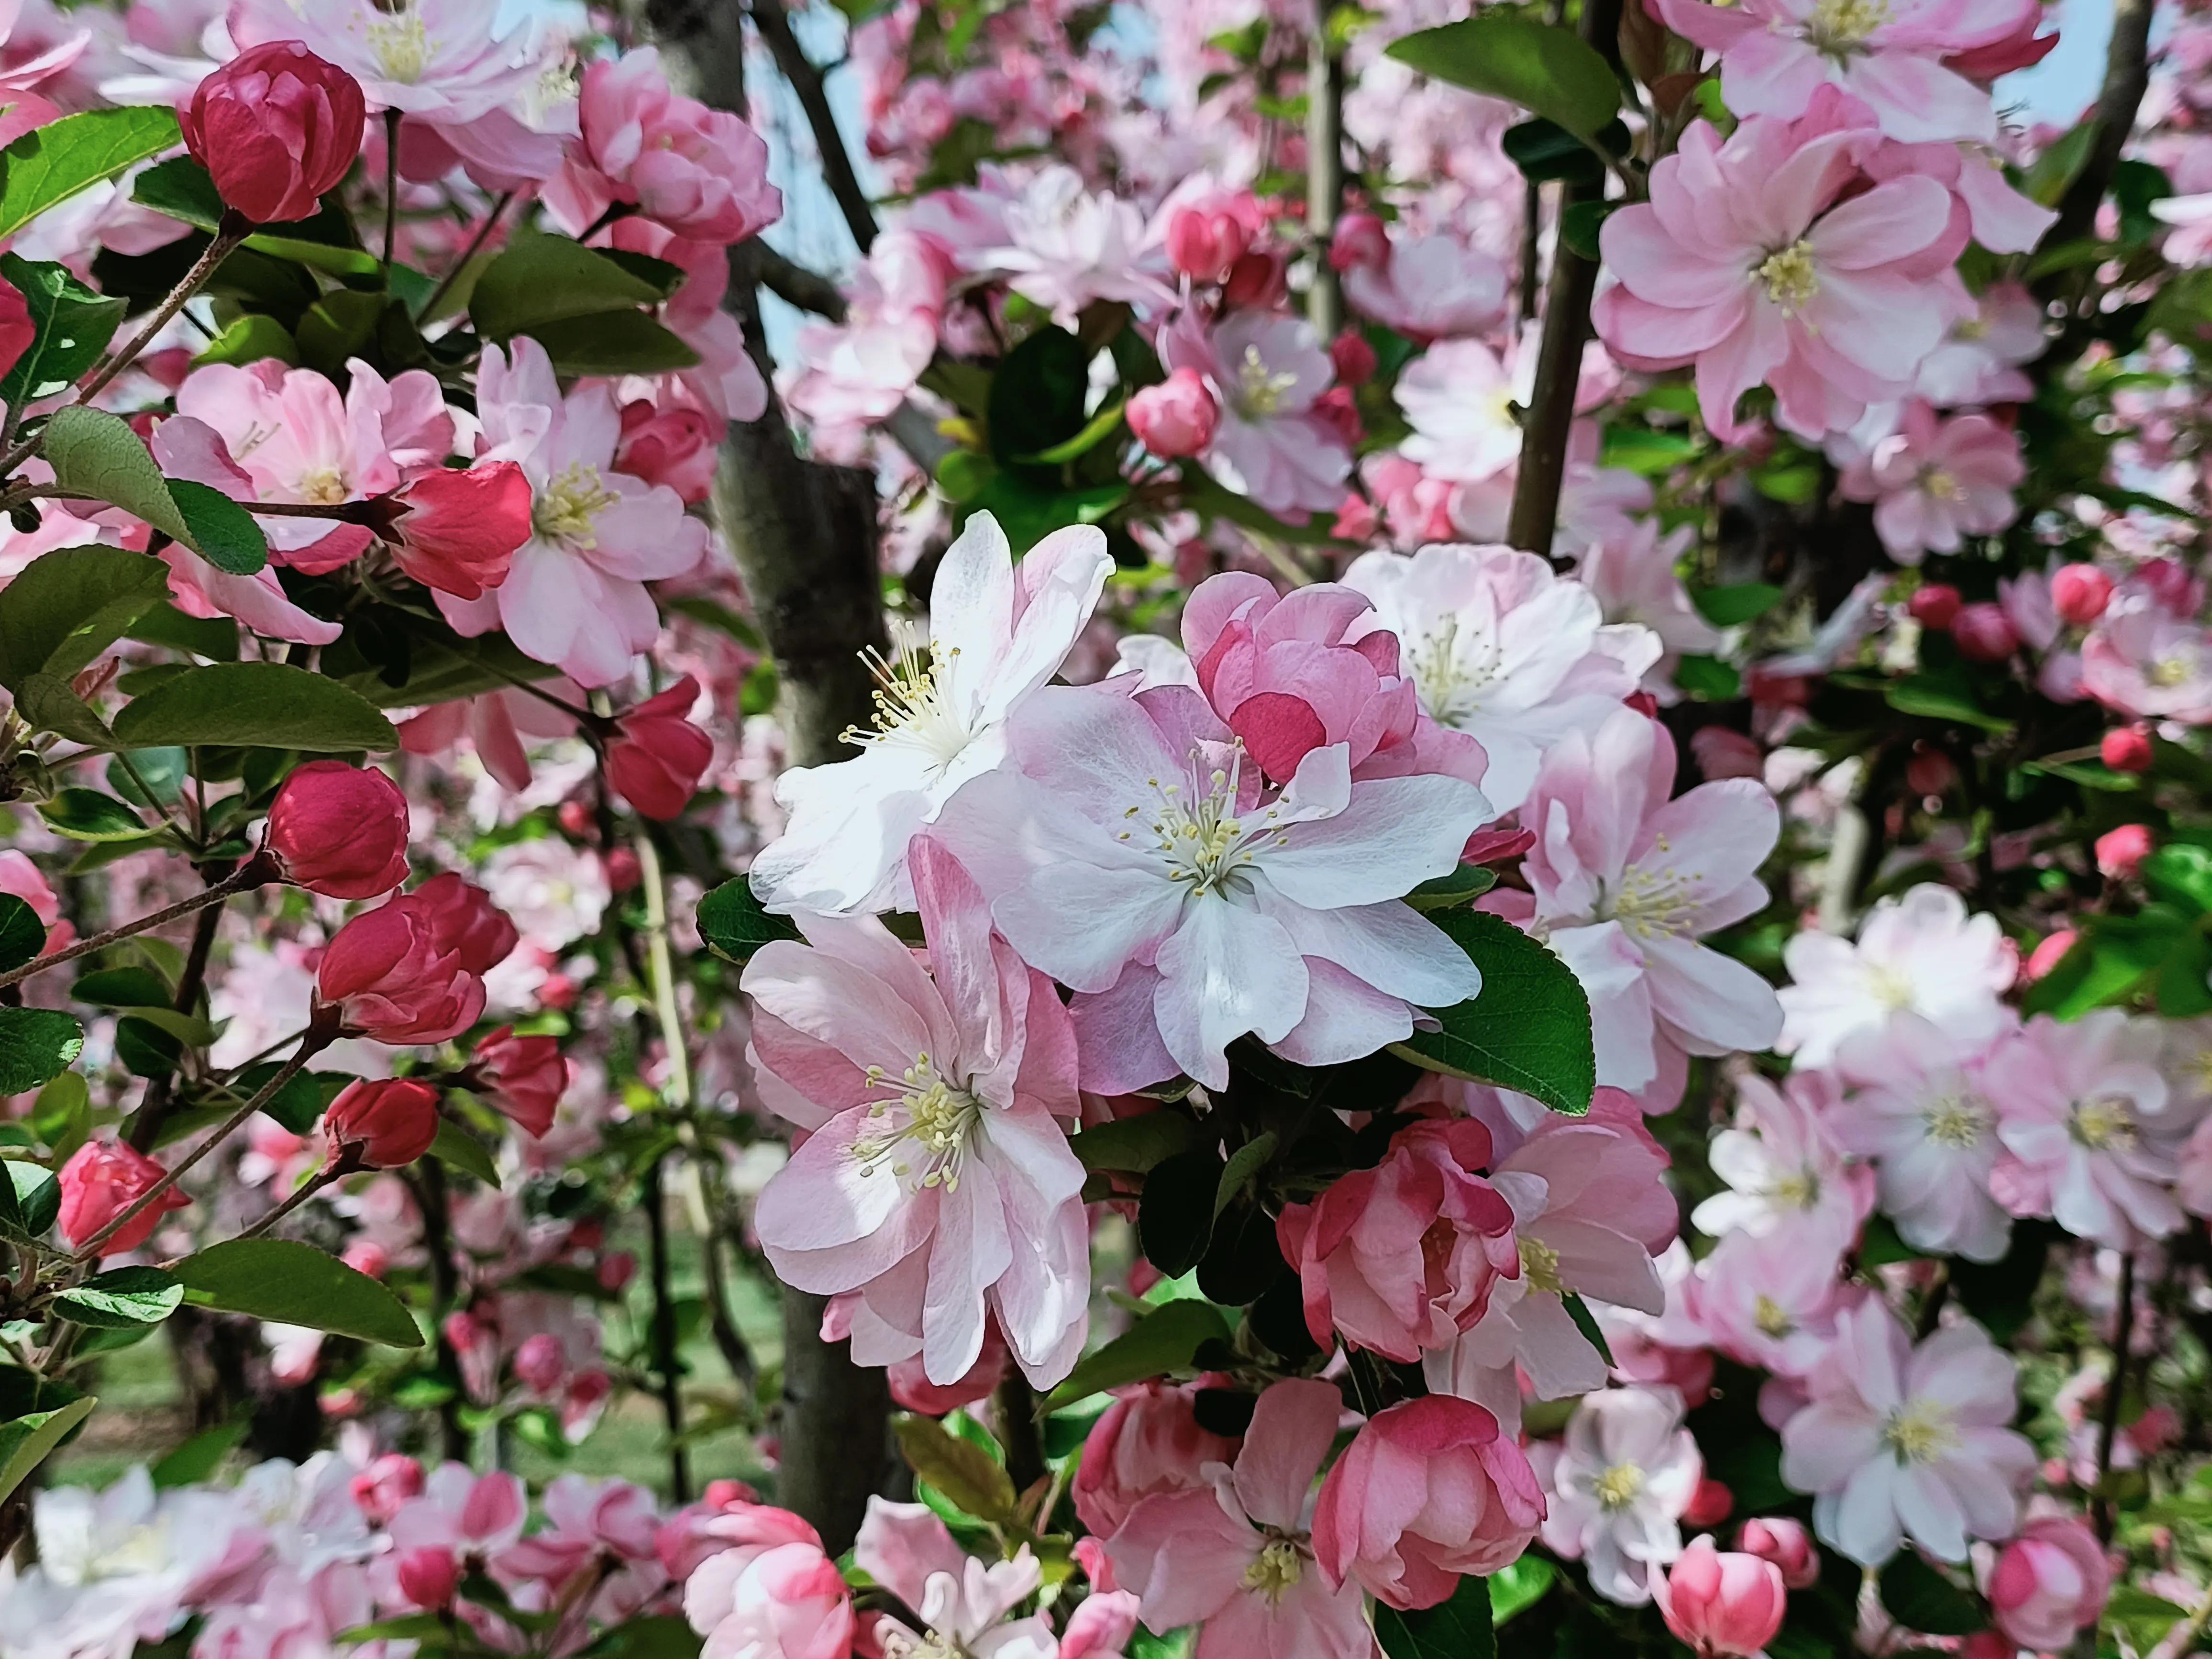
[
  {"x": 412, "y": 969},
  {"x": 1239, "y": 1557},
  {"x": 1458, "y": 397},
  {"x": 382, "y": 1124},
  {"x": 26, "y": 881},
  {"x": 2080, "y": 593},
  {"x": 496, "y": 724},
  {"x": 1745, "y": 264},
  {"x": 1429, "y": 288},
  {"x": 1176, "y": 418},
  {"x": 1936, "y": 482},
  {"x": 1631, "y": 572},
  {"x": 1292, "y": 672},
  {"x": 1625, "y": 881},
  {"x": 700, "y": 172},
  {"x": 1899, "y": 1439},
  {"x": 1771, "y": 1300},
  {"x": 521, "y": 1078},
  {"x": 1783, "y": 1541},
  {"x": 2082, "y": 1109},
  {"x": 1621, "y": 1480},
  {"x": 964, "y": 1603},
  {"x": 458, "y": 527},
  {"x": 1984, "y": 633},
  {"x": 100, "y": 1181},
  {"x": 275, "y": 127},
  {"x": 1265, "y": 372},
  {"x": 675, "y": 446},
  {"x": 1777, "y": 54},
  {"x": 385, "y": 1486},
  {"x": 2144, "y": 661},
  {"x": 1206, "y": 235},
  {"x": 2120, "y": 852},
  {"x": 576, "y": 594},
  {"x": 2050, "y": 1581},
  {"x": 656, "y": 755},
  {"x": 1919, "y": 950},
  {"x": 339, "y": 831},
  {"x": 1148, "y": 1441},
  {"x": 771, "y": 1593},
  {"x": 1426, "y": 1492},
  {"x": 1400, "y": 1258},
  {"x": 1724, "y": 1606},
  {"x": 911, "y": 1388},
  {"x": 1980, "y": 360},
  {"x": 1916, "y": 1108},
  {"x": 1067, "y": 245},
  {"x": 1784, "y": 1165},
  {"x": 934, "y": 1179}
]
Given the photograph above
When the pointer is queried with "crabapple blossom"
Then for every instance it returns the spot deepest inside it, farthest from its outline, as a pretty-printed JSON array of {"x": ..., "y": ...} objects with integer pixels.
[
  {"x": 1266, "y": 371},
  {"x": 1722, "y": 1604},
  {"x": 1771, "y": 1300},
  {"x": 382, "y": 1124},
  {"x": 457, "y": 528},
  {"x": 101, "y": 1181},
  {"x": 1176, "y": 418},
  {"x": 964, "y": 1603},
  {"x": 2142, "y": 661},
  {"x": 1624, "y": 882},
  {"x": 1148, "y": 1441},
  {"x": 339, "y": 831},
  {"x": 772, "y": 1592},
  {"x": 656, "y": 755},
  {"x": 935, "y": 1180},
  {"x": 1133, "y": 854},
  {"x": 1784, "y": 1165},
  {"x": 1900, "y": 1439},
  {"x": 1914, "y": 1106},
  {"x": 1239, "y": 1558},
  {"x": 274, "y": 127},
  {"x": 2080, "y": 593},
  {"x": 2050, "y": 1582},
  {"x": 1785, "y": 1542},
  {"x": 1067, "y": 245},
  {"x": 1620, "y": 1481},
  {"x": 1458, "y": 397},
  {"x": 1917, "y": 951},
  {"x": 1631, "y": 572},
  {"x": 997, "y": 634},
  {"x": 1501, "y": 649},
  {"x": 703, "y": 173},
  {"x": 1428, "y": 288},
  {"x": 1935, "y": 481}
]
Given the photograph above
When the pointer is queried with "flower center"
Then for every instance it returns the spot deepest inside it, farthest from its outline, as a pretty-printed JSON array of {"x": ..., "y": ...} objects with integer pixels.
[
  {"x": 932, "y": 1114},
  {"x": 1889, "y": 987},
  {"x": 1451, "y": 670},
  {"x": 1655, "y": 904},
  {"x": 2102, "y": 1121},
  {"x": 1539, "y": 1266},
  {"x": 913, "y": 703},
  {"x": 1197, "y": 830},
  {"x": 1839, "y": 28},
  {"x": 1616, "y": 1488},
  {"x": 402, "y": 47},
  {"x": 1275, "y": 1570},
  {"x": 1259, "y": 391},
  {"x": 1798, "y": 1190},
  {"x": 1772, "y": 1317},
  {"x": 322, "y": 486},
  {"x": 1938, "y": 485},
  {"x": 1954, "y": 1123},
  {"x": 1792, "y": 281},
  {"x": 1919, "y": 1431},
  {"x": 2167, "y": 672},
  {"x": 569, "y": 506}
]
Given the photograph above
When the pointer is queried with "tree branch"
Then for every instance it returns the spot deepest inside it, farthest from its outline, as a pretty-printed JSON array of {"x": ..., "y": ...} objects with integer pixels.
[
  {"x": 790, "y": 282},
  {"x": 2127, "y": 77},
  {"x": 796, "y": 67},
  {"x": 1324, "y": 172}
]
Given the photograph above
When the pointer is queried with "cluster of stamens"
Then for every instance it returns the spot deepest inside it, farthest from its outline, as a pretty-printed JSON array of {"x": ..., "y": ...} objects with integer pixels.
[
  {"x": 1199, "y": 832},
  {"x": 927, "y": 1121}
]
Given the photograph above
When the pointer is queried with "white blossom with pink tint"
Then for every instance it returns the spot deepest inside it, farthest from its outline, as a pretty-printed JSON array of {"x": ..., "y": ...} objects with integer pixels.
[
  {"x": 1266, "y": 370},
  {"x": 2143, "y": 660},
  {"x": 1458, "y": 397},
  {"x": 1620, "y": 1479},
  {"x": 965, "y": 1604},
  {"x": 1935, "y": 481},
  {"x": 1632, "y": 571},
  {"x": 1902, "y": 1440},
  {"x": 1786, "y": 1169},
  {"x": 1771, "y": 1300},
  {"x": 1981, "y": 359},
  {"x": 1428, "y": 287},
  {"x": 1914, "y": 1106},
  {"x": 1918, "y": 951},
  {"x": 1067, "y": 245}
]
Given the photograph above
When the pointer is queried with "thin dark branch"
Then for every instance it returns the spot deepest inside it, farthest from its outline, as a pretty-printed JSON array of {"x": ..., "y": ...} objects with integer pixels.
[
  {"x": 774, "y": 26},
  {"x": 792, "y": 283},
  {"x": 665, "y": 1361},
  {"x": 2127, "y": 77},
  {"x": 1324, "y": 171}
]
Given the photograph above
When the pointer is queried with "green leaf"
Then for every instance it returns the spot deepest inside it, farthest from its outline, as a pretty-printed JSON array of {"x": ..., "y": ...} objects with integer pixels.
[
  {"x": 1726, "y": 607},
  {"x": 75, "y": 323},
  {"x": 1708, "y": 679},
  {"x": 2113, "y": 956},
  {"x": 1580, "y": 224},
  {"x": 26, "y": 1443},
  {"x": 2180, "y": 872},
  {"x": 265, "y": 705},
  {"x": 1920, "y": 1598},
  {"x": 50, "y": 164},
  {"x": 1096, "y": 431},
  {"x": 457, "y": 1146},
  {"x": 226, "y": 534},
  {"x": 30, "y": 1200},
  {"x": 163, "y": 771},
  {"x": 22, "y": 935},
  {"x": 1942, "y": 694},
  {"x": 974, "y": 1479},
  {"x": 1548, "y": 71},
  {"x": 613, "y": 343},
  {"x": 1529, "y": 1028},
  {"x": 250, "y": 339},
  {"x": 199, "y": 1457},
  {"x": 1461, "y": 1628},
  {"x": 180, "y": 188},
  {"x": 1586, "y": 1322},
  {"x": 1463, "y": 886},
  {"x": 299, "y": 1101},
  {"x": 48, "y": 703},
  {"x": 294, "y": 1283},
  {"x": 122, "y": 1297},
  {"x": 732, "y": 920},
  {"x": 62, "y": 1115},
  {"x": 1545, "y": 150},
  {"x": 88, "y": 814},
  {"x": 1037, "y": 395},
  {"x": 69, "y": 605},
  {"x": 539, "y": 279},
  {"x": 1243, "y": 1168},
  {"x": 1175, "y": 1213},
  {"x": 1519, "y": 1585},
  {"x": 36, "y": 1045},
  {"x": 656, "y": 1635},
  {"x": 1164, "y": 1339},
  {"x": 1134, "y": 1143},
  {"x": 98, "y": 453},
  {"x": 2055, "y": 167}
]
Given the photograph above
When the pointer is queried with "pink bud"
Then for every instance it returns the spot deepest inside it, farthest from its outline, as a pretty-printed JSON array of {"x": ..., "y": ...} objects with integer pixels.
[
  {"x": 2080, "y": 592},
  {"x": 521, "y": 1078},
  {"x": 2126, "y": 749},
  {"x": 617, "y": 1270},
  {"x": 1984, "y": 633},
  {"x": 1710, "y": 1505},
  {"x": 2050, "y": 1581},
  {"x": 624, "y": 871},
  {"x": 1724, "y": 1606},
  {"x": 1176, "y": 418},
  {"x": 676, "y": 446},
  {"x": 540, "y": 1363},
  {"x": 1785, "y": 1542},
  {"x": 366, "y": 1255},
  {"x": 17, "y": 330},
  {"x": 380, "y": 1489},
  {"x": 2120, "y": 852},
  {"x": 1361, "y": 239},
  {"x": 1258, "y": 281},
  {"x": 101, "y": 1180},
  {"x": 339, "y": 831},
  {"x": 2049, "y": 954},
  {"x": 275, "y": 127},
  {"x": 384, "y": 1124},
  {"x": 656, "y": 756},
  {"x": 456, "y": 529},
  {"x": 1335, "y": 408},
  {"x": 1353, "y": 358},
  {"x": 1933, "y": 605},
  {"x": 1205, "y": 243},
  {"x": 428, "y": 1577},
  {"x": 1930, "y": 772}
]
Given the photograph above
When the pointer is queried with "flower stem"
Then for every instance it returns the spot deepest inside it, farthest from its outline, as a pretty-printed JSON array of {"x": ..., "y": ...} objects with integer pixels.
[
  {"x": 475, "y": 247},
  {"x": 2108, "y": 1424},
  {"x": 348, "y": 1162},
  {"x": 247, "y": 875}
]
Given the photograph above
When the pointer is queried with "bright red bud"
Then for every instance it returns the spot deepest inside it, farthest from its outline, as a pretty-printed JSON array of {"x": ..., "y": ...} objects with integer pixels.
[
  {"x": 384, "y": 1124},
  {"x": 657, "y": 756},
  {"x": 522, "y": 1077},
  {"x": 339, "y": 831},
  {"x": 1934, "y": 604},
  {"x": 2126, "y": 749},
  {"x": 460, "y": 526},
  {"x": 2080, "y": 593},
  {"x": 275, "y": 127},
  {"x": 101, "y": 1180}
]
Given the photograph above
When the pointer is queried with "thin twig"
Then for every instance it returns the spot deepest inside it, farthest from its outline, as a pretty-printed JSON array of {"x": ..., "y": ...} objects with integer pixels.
[
  {"x": 1324, "y": 171},
  {"x": 774, "y": 26},
  {"x": 2108, "y": 1422},
  {"x": 348, "y": 1162},
  {"x": 475, "y": 247},
  {"x": 247, "y": 875},
  {"x": 233, "y": 231},
  {"x": 391, "y": 190}
]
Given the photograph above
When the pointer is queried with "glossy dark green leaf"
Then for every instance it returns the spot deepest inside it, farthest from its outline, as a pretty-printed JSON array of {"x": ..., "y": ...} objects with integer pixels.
[
  {"x": 1920, "y": 1598},
  {"x": 539, "y": 279},
  {"x": 36, "y": 1045},
  {"x": 22, "y": 935},
  {"x": 1547, "y": 70},
  {"x": 69, "y": 605},
  {"x": 1134, "y": 1144},
  {"x": 732, "y": 921},
  {"x": 228, "y": 536},
  {"x": 73, "y": 323},
  {"x": 295, "y": 1284},
  {"x": 1529, "y": 1029},
  {"x": 122, "y": 1297},
  {"x": 48, "y": 165},
  {"x": 269, "y": 705},
  {"x": 89, "y": 815},
  {"x": 1037, "y": 397},
  {"x": 1461, "y": 1628},
  {"x": 964, "y": 1472},
  {"x": 1164, "y": 1339},
  {"x": 1174, "y": 1216}
]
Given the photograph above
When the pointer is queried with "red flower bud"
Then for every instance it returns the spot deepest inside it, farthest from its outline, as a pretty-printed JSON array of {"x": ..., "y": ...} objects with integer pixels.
[
  {"x": 1785, "y": 1543},
  {"x": 428, "y": 1577},
  {"x": 1258, "y": 280},
  {"x": 1354, "y": 359},
  {"x": 1934, "y": 604},
  {"x": 1361, "y": 239},
  {"x": 101, "y": 1180},
  {"x": 1984, "y": 633},
  {"x": 384, "y": 1124},
  {"x": 2126, "y": 749},
  {"x": 657, "y": 756},
  {"x": 2120, "y": 852},
  {"x": 1177, "y": 418},
  {"x": 2080, "y": 593},
  {"x": 540, "y": 1364},
  {"x": 2049, "y": 954},
  {"x": 675, "y": 447},
  {"x": 17, "y": 330},
  {"x": 339, "y": 831},
  {"x": 409, "y": 971},
  {"x": 275, "y": 126},
  {"x": 381, "y": 1490},
  {"x": 1203, "y": 244},
  {"x": 1710, "y": 1505},
  {"x": 624, "y": 871},
  {"x": 464, "y": 919},
  {"x": 458, "y": 528},
  {"x": 522, "y": 1077}
]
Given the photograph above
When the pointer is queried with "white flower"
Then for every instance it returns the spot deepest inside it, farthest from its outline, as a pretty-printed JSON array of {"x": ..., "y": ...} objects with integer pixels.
[
  {"x": 1458, "y": 397},
  {"x": 1783, "y": 1164},
  {"x": 1626, "y": 1471},
  {"x": 1920, "y": 951},
  {"x": 996, "y": 634},
  {"x": 1067, "y": 246},
  {"x": 1899, "y": 1439},
  {"x": 1917, "y": 1108}
]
